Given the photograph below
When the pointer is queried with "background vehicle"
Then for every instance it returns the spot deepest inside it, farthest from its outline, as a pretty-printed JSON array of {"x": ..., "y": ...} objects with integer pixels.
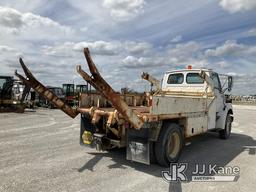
[
  {"x": 189, "y": 102},
  {"x": 81, "y": 89},
  {"x": 69, "y": 92},
  {"x": 58, "y": 91},
  {"x": 12, "y": 94}
]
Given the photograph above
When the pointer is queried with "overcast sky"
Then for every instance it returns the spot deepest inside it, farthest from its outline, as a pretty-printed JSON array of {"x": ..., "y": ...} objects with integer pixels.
[{"x": 127, "y": 37}]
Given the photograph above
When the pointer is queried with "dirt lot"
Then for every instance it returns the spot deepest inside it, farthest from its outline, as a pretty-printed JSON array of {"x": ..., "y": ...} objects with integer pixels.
[{"x": 40, "y": 151}]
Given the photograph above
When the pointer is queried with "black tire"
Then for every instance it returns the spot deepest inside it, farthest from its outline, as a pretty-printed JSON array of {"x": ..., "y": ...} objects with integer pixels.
[
  {"x": 225, "y": 133},
  {"x": 169, "y": 144}
]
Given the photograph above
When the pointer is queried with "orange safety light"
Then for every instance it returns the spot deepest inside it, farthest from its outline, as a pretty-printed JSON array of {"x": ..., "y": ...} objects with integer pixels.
[{"x": 189, "y": 67}]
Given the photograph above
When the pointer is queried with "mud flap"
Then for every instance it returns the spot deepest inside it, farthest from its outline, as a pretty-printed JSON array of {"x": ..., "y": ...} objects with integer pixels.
[{"x": 138, "y": 145}]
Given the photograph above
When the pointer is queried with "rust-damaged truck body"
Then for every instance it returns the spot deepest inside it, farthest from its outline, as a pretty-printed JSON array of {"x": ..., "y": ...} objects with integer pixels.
[{"x": 186, "y": 103}]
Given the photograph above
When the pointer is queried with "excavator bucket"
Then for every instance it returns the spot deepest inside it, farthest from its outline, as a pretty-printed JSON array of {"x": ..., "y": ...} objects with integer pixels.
[
  {"x": 31, "y": 81},
  {"x": 106, "y": 90}
]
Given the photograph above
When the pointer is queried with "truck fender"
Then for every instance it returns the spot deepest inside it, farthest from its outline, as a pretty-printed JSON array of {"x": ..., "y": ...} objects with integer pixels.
[{"x": 220, "y": 123}]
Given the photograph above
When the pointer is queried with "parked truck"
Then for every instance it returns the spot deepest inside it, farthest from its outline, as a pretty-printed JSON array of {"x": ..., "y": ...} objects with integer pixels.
[{"x": 186, "y": 103}]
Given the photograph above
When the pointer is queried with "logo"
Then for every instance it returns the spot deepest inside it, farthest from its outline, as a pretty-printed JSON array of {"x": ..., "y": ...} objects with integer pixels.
[
  {"x": 176, "y": 172},
  {"x": 201, "y": 173}
]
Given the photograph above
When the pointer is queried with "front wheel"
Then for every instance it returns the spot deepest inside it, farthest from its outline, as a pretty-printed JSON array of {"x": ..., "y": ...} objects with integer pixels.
[
  {"x": 225, "y": 133},
  {"x": 169, "y": 145}
]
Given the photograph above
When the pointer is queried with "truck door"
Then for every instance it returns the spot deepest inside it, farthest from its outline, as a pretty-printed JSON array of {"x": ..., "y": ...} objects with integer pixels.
[{"x": 219, "y": 96}]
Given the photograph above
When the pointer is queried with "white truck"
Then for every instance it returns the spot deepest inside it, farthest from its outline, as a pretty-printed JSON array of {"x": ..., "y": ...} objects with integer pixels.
[{"x": 186, "y": 103}]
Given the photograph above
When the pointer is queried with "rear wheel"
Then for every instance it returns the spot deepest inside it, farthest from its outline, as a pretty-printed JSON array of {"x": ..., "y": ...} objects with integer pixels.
[
  {"x": 169, "y": 145},
  {"x": 225, "y": 133}
]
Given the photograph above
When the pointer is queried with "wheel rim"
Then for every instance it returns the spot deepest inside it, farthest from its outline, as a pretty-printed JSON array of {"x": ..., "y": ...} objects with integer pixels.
[{"x": 173, "y": 145}]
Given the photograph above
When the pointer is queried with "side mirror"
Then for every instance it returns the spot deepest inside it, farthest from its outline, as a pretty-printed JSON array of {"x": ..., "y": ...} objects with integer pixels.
[{"x": 230, "y": 83}]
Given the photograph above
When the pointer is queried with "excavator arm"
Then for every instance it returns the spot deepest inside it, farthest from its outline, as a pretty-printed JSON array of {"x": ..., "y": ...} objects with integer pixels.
[
  {"x": 31, "y": 81},
  {"x": 152, "y": 80},
  {"x": 95, "y": 80}
]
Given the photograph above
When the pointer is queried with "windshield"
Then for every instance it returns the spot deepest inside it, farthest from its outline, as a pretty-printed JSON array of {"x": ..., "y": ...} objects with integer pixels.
[
  {"x": 194, "y": 78},
  {"x": 176, "y": 78}
]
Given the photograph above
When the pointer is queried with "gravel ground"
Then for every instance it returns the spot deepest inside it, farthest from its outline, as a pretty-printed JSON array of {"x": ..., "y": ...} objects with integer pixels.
[{"x": 40, "y": 151}]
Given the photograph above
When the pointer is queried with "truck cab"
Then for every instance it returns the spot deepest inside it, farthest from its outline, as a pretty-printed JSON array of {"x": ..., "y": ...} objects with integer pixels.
[
  {"x": 189, "y": 83},
  {"x": 184, "y": 81}
]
